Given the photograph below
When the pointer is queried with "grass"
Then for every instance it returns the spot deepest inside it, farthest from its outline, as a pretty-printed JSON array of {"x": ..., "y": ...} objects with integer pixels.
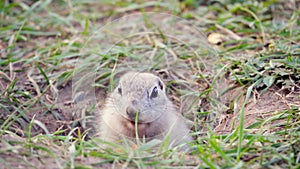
[{"x": 51, "y": 51}]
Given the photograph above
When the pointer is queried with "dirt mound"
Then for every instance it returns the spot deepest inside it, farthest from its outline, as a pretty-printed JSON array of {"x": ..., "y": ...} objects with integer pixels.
[{"x": 267, "y": 108}]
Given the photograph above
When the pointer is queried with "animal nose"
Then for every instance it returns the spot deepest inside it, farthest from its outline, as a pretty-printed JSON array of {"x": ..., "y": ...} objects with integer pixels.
[
  {"x": 134, "y": 102},
  {"x": 132, "y": 112}
]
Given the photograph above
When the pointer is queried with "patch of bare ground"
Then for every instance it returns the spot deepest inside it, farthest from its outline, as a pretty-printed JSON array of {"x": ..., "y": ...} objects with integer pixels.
[{"x": 259, "y": 108}]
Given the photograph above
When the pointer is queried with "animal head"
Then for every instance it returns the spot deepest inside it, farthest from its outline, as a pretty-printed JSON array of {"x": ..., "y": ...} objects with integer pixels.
[{"x": 140, "y": 95}]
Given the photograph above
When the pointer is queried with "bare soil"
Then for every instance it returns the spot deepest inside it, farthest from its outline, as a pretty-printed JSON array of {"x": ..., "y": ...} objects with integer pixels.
[{"x": 259, "y": 108}]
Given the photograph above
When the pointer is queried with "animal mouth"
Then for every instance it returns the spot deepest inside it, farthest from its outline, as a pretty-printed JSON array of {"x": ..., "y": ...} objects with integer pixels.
[
  {"x": 133, "y": 121},
  {"x": 138, "y": 122},
  {"x": 132, "y": 125},
  {"x": 140, "y": 118}
]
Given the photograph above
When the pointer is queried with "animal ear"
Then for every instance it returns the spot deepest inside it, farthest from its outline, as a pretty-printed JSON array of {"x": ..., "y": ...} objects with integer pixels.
[{"x": 161, "y": 85}]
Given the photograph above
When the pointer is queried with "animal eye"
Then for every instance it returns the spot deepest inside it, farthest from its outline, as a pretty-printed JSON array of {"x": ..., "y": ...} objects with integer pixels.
[
  {"x": 120, "y": 90},
  {"x": 154, "y": 93}
]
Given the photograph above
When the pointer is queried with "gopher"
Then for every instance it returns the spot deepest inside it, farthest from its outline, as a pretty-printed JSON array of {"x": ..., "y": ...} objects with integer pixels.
[{"x": 139, "y": 108}]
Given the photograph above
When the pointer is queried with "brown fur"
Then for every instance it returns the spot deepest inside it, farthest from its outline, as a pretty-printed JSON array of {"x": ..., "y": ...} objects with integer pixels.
[{"x": 157, "y": 116}]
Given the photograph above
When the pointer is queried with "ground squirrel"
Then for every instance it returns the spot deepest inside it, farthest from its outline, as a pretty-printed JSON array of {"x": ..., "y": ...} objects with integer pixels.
[{"x": 141, "y": 96}]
